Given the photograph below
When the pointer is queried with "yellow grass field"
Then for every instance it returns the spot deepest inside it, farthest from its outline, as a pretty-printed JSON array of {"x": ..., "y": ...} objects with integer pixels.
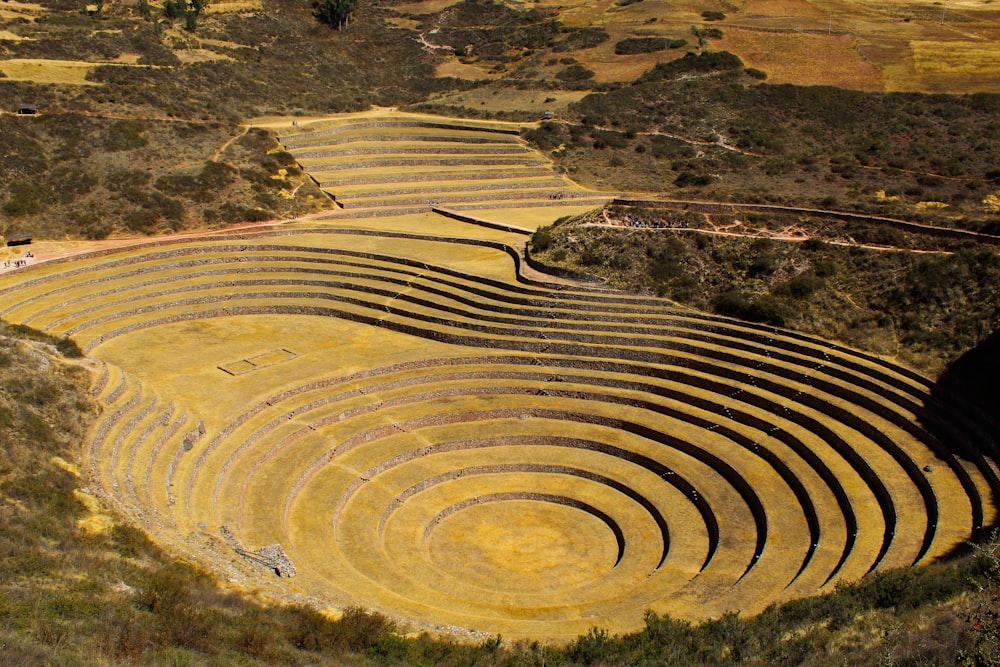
[
  {"x": 226, "y": 6},
  {"x": 7, "y": 35},
  {"x": 71, "y": 72},
  {"x": 406, "y": 162},
  {"x": 14, "y": 9},
  {"x": 972, "y": 60}
]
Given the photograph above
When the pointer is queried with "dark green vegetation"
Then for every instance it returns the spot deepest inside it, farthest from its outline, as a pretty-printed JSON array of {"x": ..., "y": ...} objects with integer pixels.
[
  {"x": 73, "y": 596},
  {"x": 632, "y": 45},
  {"x": 703, "y": 127},
  {"x": 926, "y": 308},
  {"x": 335, "y": 13}
]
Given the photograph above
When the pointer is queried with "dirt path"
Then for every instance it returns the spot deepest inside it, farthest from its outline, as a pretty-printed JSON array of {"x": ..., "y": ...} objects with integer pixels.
[
  {"x": 720, "y": 143},
  {"x": 50, "y": 251},
  {"x": 802, "y": 237},
  {"x": 223, "y": 147}
]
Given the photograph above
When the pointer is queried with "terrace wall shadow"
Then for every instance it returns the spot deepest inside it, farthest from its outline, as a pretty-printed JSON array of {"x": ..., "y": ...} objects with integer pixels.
[{"x": 962, "y": 410}]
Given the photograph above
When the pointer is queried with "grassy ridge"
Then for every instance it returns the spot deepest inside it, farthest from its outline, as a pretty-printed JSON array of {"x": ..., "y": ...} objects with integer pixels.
[
  {"x": 926, "y": 308},
  {"x": 86, "y": 177}
]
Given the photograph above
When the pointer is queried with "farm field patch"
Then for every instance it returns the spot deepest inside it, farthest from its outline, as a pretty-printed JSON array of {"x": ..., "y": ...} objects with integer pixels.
[{"x": 804, "y": 59}]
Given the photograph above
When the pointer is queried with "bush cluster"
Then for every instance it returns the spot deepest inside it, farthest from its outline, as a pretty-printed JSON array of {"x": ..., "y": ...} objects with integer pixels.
[{"x": 633, "y": 45}]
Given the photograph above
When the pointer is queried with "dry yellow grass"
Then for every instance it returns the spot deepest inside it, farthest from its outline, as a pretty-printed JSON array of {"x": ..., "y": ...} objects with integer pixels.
[
  {"x": 969, "y": 59},
  {"x": 532, "y": 565},
  {"x": 14, "y": 9},
  {"x": 187, "y": 56},
  {"x": 227, "y": 6},
  {"x": 448, "y": 157},
  {"x": 71, "y": 72},
  {"x": 424, "y": 7},
  {"x": 464, "y": 71},
  {"x": 7, "y": 35},
  {"x": 850, "y": 43}
]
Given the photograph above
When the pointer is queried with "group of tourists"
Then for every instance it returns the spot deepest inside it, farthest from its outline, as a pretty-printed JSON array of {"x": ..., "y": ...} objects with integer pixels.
[{"x": 17, "y": 263}]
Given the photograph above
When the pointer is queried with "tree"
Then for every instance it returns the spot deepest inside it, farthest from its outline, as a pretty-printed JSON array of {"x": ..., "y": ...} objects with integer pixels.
[
  {"x": 143, "y": 9},
  {"x": 335, "y": 13},
  {"x": 174, "y": 9}
]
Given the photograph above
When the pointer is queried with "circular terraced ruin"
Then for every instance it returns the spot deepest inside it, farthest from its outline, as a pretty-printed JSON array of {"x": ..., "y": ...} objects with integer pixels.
[{"x": 401, "y": 420}]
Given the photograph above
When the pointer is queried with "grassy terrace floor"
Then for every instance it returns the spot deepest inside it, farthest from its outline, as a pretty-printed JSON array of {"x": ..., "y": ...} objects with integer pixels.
[{"x": 431, "y": 431}]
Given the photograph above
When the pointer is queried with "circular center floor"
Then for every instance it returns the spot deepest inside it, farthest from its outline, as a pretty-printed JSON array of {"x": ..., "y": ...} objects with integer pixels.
[{"x": 523, "y": 546}]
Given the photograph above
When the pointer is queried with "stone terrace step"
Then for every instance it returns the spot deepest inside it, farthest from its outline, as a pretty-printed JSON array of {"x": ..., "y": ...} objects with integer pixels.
[
  {"x": 485, "y": 198},
  {"x": 378, "y": 153},
  {"x": 440, "y": 174}
]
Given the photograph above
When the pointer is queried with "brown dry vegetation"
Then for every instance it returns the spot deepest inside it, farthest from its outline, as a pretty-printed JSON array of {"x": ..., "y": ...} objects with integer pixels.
[
  {"x": 90, "y": 177},
  {"x": 710, "y": 131}
]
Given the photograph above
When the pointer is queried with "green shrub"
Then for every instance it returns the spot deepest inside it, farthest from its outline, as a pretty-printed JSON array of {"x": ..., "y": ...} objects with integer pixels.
[
  {"x": 575, "y": 73},
  {"x": 763, "y": 308},
  {"x": 130, "y": 541},
  {"x": 707, "y": 61},
  {"x": 801, "y": 286},
  {"x": 605, "y": 138},
  {"x": 24, "y": 198},
  {"x": 592, "y": 256},
  {"x": 174, "y": 9},
  {"x": 125, "y": 135},
  {"x": 125, "y": 179},
  {"x": 634, "y": 45},
  {"x": 825, "y": 268},
  {"x": 541, "y": 239},
  {"x": 593, "y": 648},
  {"x": 546, "y": 136},
  {"x": 690, "y": 179},
  {"x": 166, "y": 589}
]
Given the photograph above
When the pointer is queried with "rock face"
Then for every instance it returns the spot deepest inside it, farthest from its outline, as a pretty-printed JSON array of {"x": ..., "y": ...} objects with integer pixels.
[{"x": 271, "y": 556}]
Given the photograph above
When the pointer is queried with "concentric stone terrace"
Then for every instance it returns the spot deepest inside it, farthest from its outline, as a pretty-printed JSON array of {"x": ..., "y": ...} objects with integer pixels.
[
  {"x": 428, "y": 433},
  {"x": 410, "y": 162}
]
